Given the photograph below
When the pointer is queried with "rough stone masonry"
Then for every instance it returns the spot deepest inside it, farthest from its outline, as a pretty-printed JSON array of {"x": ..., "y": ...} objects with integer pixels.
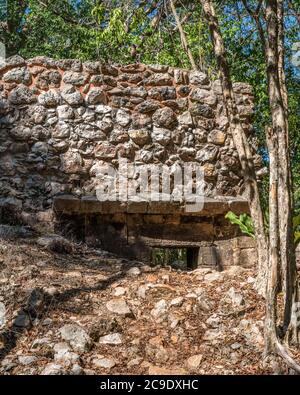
[{"x": 61, "y": 119}]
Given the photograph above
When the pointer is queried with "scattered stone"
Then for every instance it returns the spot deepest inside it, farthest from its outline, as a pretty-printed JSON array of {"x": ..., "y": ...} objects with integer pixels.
[
  {"x": 112, "y": 338},
  {"x": 63, "y": 353},
  {"x": 211, "y": 277},
  {"x": 27, "y": 359},
  {"x": 193, "y": 362},
  {"x": 77, "y": 370},
  {"x": 177, "y": 302},
  {"x": 77, "y": 336},
  {"x": 160, "y": 309},
  {"x": 105, "y": 363},
  {"x": 134, "y": 271},
  {"x": 53, "y": 369},
  {"x": 2, "y": 314},
  {"x": 118, "y": 306},
  {"x": 158, "y": 371},
  {"x": 120, "y": 291}
]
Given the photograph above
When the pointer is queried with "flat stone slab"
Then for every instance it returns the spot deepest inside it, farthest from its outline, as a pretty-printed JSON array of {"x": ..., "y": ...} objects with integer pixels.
[{"x": 69, "y": 204}]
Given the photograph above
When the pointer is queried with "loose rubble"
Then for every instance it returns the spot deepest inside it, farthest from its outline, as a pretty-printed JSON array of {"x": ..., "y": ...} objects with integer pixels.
[{"x": 90, "y": 312}]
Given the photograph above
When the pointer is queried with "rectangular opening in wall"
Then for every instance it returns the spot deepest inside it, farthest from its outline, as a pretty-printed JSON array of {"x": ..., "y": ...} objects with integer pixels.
[{"x": 179, "y": 258}]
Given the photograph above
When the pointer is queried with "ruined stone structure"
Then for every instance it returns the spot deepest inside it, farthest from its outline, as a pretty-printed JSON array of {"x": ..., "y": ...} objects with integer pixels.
[{"x": 61, "y": 119}]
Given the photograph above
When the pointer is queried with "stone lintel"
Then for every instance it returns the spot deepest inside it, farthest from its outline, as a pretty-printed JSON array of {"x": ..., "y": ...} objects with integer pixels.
[{"x": 69, "y": 204}]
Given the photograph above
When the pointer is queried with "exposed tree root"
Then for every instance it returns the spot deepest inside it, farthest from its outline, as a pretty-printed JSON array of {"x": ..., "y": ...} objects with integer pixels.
[{"x": 286, "y": 356}]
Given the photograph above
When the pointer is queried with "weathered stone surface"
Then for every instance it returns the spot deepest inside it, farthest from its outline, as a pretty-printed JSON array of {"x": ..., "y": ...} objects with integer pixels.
[
  {"x": 71, "y": 162},
  {"x": 123, "y": 118},
  {"x": 197, "y": 77},
  {"x": 91, "y": 112},
  {"x": 48, "y": 79},
  {"x": 161, "y": 136},
  {"x": 118, "y": 306},
  {"x": 20, "y": 75},
  {"x": 76, "y": 336},
  {"x": 112, "y": 339},
  {"x": 159, "y": 79},
  {"x": 22, "y": 95},
  {"x": 139, "y": 137},
  {"x": 204, "y": 96},
  {"x": 65, "y": 112},
  {"x": 72, "y": 96},
  {"x": 216, "y": 137},
  {"x": 185, "y": 119},
  {"x": 164, "y": 117},
  {"x": 52, "y": 98},
  {"x": 75, "y": 78},
  {"x": 96, "y": 96}
]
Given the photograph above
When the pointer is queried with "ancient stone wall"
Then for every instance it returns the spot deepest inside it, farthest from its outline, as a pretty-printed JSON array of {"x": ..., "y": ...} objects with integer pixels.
[{"x": 60, "y": 119}]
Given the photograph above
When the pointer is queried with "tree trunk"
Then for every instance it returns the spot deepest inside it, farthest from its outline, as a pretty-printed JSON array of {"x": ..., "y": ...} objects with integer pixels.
[
  {"x": 183, "y": 36},
  {"x": 274, "y": 248},
  {"x": 241, "y": 144},
  {"x": 279, "y": 114}
]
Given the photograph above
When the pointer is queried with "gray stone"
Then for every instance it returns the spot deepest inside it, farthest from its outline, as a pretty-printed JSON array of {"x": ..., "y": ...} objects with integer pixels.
[
  {"x": 22, "y": 95},
  {"x": 64, "y": 353},
  {"x": 20, "y": 132},
  {"x": 76, "y": 336},
  {"x": 204, "y": 96},
  {"x": 103, "y": 109},
  {"x": 112, "y": 338},
  {"x": 197, "y": 77},
  {"x": 160, "y": 309},
  {"x": 159, "y": 79},
  {"x": 203, "y": 110},
  {"x": 75, "y": 78},
  {"x": 96, "y": 96},
  {"x": 138, "y": 92},
  {"x": 19, "y": 75},
  {"x": 147, "y": 106},
  {"x": 162, "y": 93},
  {"x": 76, "y": 370},
  {"x": 134, "y": 271},
  {"x": 2, "y": 315},
  {"x": 48, "y": 79},
  {"x": 123, "y": 118},
  {"x": 207, "y": 154},
  {"x": 106, "y": 363},
  {"x": 50, "y": 99},
  {"x": 26, "y": 360},
  {"x": 71, "y": 96},
  {"x": 164, "y": 117},
  {"x": 62, "y": 130},
  {"x": 118, "y": 306},
  {"x": 161, "y": 135},
  {"x": 53, "y": 369},
  {"x": 22, "y": 320},
  {"x": 65, "y": 112},
  {"x": 185, "y": 119}
]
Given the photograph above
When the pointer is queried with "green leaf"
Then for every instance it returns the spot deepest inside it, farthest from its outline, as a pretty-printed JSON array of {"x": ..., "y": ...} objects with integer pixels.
[{"x": 244, "y": 222}]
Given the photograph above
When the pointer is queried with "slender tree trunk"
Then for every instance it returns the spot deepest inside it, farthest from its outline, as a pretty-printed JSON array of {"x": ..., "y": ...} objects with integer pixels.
[
  {"x": 183, "y": 36},
  {"x": 274, "y": 248},
  {"x": 279, "y": 114},
  {"x": 240, "y": 142}
]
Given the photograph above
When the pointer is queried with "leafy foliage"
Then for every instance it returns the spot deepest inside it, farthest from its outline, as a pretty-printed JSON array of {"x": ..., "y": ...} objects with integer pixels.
[{"x": 244, "y": 222}]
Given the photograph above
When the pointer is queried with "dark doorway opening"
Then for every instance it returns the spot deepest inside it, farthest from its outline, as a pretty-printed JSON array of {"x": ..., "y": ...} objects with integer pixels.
[{"x": 179, "y": 258}]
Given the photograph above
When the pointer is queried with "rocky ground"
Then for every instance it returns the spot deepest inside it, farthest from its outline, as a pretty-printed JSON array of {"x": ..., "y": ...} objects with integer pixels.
[{"x": 67, "y": 309}]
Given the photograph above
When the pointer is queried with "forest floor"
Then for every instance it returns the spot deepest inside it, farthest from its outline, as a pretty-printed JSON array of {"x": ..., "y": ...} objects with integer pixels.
[{"x": 68, "y": 309}]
